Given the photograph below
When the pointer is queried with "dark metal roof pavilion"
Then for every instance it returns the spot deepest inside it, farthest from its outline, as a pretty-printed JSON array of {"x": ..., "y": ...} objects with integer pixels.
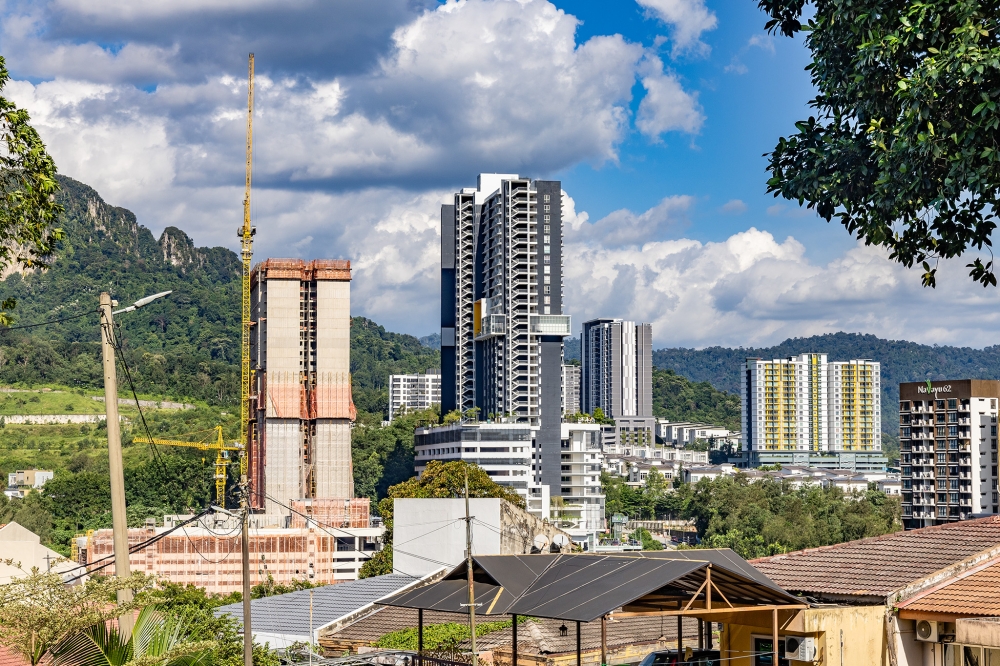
[{"x": 585, "y": 587}]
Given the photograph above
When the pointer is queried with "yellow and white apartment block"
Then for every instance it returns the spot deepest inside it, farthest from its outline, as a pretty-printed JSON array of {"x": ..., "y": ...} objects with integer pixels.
[{"x": 807, "y": 403}]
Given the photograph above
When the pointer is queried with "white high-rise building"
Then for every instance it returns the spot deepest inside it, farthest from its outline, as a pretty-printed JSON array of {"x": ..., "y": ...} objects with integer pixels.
[
  {"x": 808, "y": 404},
  {"x": 414, "y": 392}
]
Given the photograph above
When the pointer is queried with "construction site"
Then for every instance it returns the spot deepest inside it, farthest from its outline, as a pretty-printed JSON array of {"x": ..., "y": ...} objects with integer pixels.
[{"x": 294, "y": 449}]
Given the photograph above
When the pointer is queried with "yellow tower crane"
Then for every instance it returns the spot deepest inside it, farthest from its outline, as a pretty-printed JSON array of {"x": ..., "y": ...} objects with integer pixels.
[
  {"x": 246, "y": 234},
  {"x": 216, "y": 444}
]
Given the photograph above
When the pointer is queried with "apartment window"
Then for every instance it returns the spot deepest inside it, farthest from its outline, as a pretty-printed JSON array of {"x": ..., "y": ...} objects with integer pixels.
[
  {"x": 942, "y": 512},
  {"x": 547, "y": 289},
  {"x": 995, "y": 499},
  {"x": 994, "y": 470},
  {"x": 547, "y": 260},
  {"x": 546, "y": 229},
  {"x": 952, "y": 417},
  {"x": 953, "y": 431},
  {"x": 941, "y": 471},
  {"x": 940, "y": 458},
  {"x": 953, "y": 484},
  {"x": 940, "y": 404},
  {"x": 547, "y": 300},
  {"x": 952, "y": 403},
  {"x": 546, "y": 208},
  {"x": 904, "y": 405},
  {"x": 940, "y": 417},
  {"x": 904, "y": 432},
  {"x": 952, "y": 444},
  {"x": 940, "y": 431},
  {"x": 546, "y": 198},
  {"x": 941, "y": 484},
  {"x": 907, "y": 484},
  {"x": 993, "y": 431},
  {"x": 906, "y": 470},
  {"x": 993, "y": 445},
  {"x": 546, "y": 239}
]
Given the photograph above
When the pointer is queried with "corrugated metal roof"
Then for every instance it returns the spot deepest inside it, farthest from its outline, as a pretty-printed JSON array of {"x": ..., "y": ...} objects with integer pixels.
[
  {"x": 289, "y": 613},
  {"x": 975, "y": 592},
  {"x": 878, "y": 566}
]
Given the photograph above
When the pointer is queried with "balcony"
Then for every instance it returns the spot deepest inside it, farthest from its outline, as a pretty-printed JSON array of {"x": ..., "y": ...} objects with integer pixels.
[{"x": 491, "y": 326}]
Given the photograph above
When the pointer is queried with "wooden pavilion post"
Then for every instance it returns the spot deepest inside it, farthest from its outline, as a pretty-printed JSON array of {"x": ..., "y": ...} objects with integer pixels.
[
  {"x": 420, "y": 636},
  {"x": 680, "y": 636},
  {"x": 701, "y": 634},
  {"x": 774, "y": 634},
  {"x": 604, "y": 640}
]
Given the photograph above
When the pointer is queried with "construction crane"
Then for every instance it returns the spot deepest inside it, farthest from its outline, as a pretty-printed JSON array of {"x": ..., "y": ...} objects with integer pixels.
[
  {"x": 217, "y": 444},
  {"x": 246, "y": 234}
]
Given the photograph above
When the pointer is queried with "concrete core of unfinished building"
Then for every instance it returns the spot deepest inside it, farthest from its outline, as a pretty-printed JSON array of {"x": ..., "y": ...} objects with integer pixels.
[{"x": 300, "y": 444}]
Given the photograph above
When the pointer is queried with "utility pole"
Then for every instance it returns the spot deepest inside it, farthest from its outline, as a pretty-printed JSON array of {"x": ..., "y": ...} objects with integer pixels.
[
  {"x": 118, "y": 518},
  {"x": 245, "y": 547},
  {"x": 468, "y": 565}
]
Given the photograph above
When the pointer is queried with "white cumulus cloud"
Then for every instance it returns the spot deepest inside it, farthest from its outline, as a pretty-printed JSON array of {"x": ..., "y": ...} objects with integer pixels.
[{"x": 688, "y": 18}]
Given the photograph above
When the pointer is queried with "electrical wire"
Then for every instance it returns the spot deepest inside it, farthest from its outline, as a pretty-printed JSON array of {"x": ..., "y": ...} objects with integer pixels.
[
  {"x": 46, "y": 323},
  {"x": 449, "y": 524}
]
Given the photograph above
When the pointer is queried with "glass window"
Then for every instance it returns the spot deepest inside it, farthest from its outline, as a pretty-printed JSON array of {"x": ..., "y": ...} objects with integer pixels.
[
  {"x": 763, "y": 652},
  {"x": 940, "y": 431},
  {"x": 904, "y": 405},
  {"x": 953, "y": 498},
  {"x": 953, "y": 484},
  {"x": 941, "y": 457},
  {"x": 952, "y": 403},
  {"x": 952, "y": 417},
  {"x": 972, "y": 656},
  {"x": 953, "y": 431},
  {"x": 952, "y": 444},
  {"x": 940, "y": 417},
  {"x": 940, "y": 404}
]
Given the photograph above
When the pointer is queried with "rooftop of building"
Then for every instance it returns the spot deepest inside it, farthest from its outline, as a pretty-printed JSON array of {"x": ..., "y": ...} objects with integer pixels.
[
  {"x": 879, "y": 566},
  {"x": 288, "y": 614},
  {"x": 970, "y": 593}
]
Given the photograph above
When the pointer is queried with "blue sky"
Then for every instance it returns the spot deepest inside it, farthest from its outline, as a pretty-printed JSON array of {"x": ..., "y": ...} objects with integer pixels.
[{"x": 655, "y": 115}]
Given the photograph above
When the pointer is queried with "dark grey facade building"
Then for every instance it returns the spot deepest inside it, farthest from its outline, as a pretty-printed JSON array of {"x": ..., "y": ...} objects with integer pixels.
[
  {"x": 502, "y": 324},
  {"x": 617, "y": 376}
]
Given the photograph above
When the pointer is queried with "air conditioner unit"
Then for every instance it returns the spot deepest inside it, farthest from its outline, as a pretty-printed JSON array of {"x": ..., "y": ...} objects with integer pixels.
[
  {"x": 800, "y": 648},
  {"x": 927, "y": 630}
]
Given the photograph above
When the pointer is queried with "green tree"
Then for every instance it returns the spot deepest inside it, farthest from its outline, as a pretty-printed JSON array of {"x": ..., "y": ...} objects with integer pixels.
[
  {"x": 197, "y": 609},
  {"x": 155, "y": 640},
  {"x": 28, "y": 209},
  {"x": 38, "y": 611},
  {"x": 904, "y": 149}
]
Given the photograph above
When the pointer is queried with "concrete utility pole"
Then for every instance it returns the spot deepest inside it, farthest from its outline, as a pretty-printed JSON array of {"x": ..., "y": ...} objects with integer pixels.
[
  {"x": 468, "y": 560},
  {"x": 115, "y": 465},
  {"x": 245, "y": 547}
]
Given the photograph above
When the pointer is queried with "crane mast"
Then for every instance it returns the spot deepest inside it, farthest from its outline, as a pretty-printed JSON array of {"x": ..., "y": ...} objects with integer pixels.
[{"x": 246, "y": 234}]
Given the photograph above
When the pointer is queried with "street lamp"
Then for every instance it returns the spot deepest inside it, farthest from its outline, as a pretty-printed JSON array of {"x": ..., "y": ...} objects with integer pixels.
[{"x": 116, "y": 466}]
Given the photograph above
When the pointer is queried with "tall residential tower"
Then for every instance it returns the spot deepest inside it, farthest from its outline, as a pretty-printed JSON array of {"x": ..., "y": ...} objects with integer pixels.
[
  {"x": 806, "y": 405},
  {"x": 502, "y": 325},
  {"x": 617, "y": 376}
]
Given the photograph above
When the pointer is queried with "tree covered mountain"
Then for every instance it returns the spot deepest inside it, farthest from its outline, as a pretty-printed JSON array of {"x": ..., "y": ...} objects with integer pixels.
[{"x": 901, "y": 361}]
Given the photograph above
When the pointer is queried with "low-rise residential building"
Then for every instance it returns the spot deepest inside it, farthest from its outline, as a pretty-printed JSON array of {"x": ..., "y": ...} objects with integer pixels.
[
  {"x": 686, "y": 433},
  {"x": 892, "y": 599},
  {"x": 23, "y": 481},
  {"x": 206, "y": 553},
  {"x": 510, "y": 454},
  {"x": 414, "y": 392},
  {"x": 21, "y": 550}
]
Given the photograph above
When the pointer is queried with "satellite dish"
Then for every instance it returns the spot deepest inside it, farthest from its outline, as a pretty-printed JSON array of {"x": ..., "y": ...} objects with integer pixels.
[
  {"x": 540, "y": 541},
  {"x": 560, "y": 540}
]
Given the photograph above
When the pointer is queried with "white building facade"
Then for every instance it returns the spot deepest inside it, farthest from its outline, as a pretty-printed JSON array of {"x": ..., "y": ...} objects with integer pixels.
[
  {"x": 414, "y": 392},
  {"x": 511, "y": 455}
]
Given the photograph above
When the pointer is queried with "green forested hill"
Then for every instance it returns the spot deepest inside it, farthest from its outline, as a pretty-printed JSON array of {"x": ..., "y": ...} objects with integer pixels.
[
  {"x": 901, "y": 361},
  {"x": 679, "y": 399}
]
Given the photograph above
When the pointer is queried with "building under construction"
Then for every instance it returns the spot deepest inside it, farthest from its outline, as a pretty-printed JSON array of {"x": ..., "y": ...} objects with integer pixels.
[{"x": 300, "y": 430}]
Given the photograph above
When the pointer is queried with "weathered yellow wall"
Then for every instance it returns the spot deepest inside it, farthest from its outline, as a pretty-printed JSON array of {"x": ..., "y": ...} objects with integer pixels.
[{"x": 863, "y": 630}]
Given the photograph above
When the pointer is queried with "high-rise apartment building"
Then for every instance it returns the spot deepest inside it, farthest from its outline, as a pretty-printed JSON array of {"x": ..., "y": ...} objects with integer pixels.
[
  {"x": 502, "y": 326},
  {"x": 571, "y": 389},
  {"x": 414, "y": 392},
  {"x": 948, "y": 450},
  {"x": 617, "y": 377},
  {"x": 805, "y": 405},
  {"x": 300, "y": 350}
]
